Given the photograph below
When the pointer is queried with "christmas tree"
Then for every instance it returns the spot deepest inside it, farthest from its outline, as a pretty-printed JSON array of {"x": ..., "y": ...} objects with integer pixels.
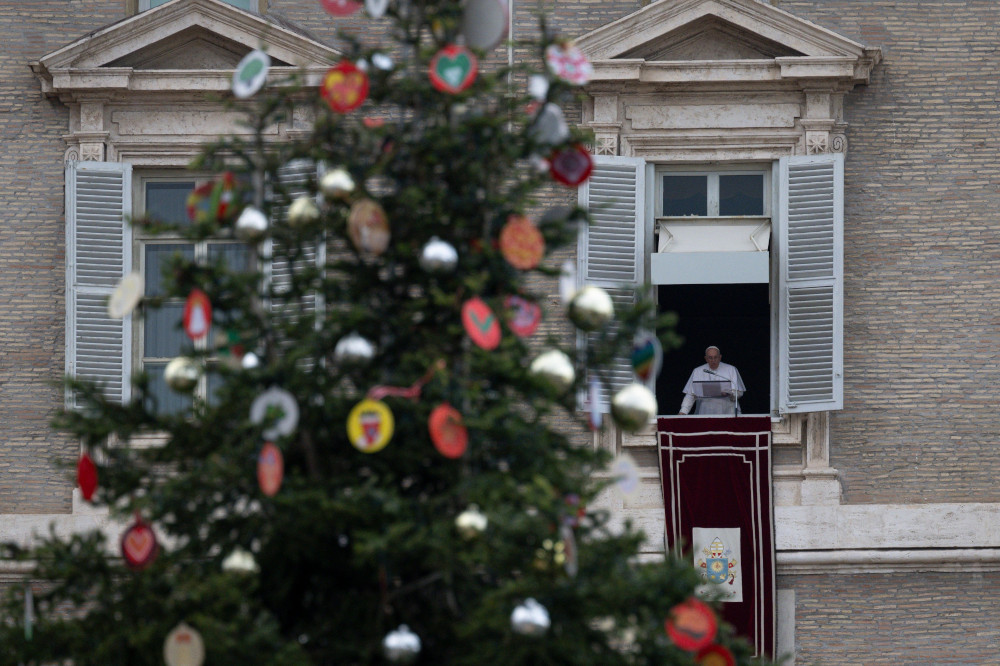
[{"x": 384, "y": 460}]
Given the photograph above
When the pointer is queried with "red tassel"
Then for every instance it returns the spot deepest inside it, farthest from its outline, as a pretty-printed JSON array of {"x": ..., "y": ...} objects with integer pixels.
[{"x": 86, "y": 476}]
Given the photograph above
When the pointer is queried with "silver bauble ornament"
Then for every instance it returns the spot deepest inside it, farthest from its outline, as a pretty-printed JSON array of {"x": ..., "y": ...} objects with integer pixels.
[
  {"x": 352, "y": 349},
  {"x": 181, "y": 374},
  {"x": 337, "y": 184},
  {"x": 303, "y": 211},
  {"x": 530, "y": 619},
  {"x": 401, "y": 646},
  {"x": 471, "y": 522},
  {"x": 555, "y": 368},
  {"x": 591, "y": 308},
  {"x": 250, "y": 361},
  {"x": 251, "y": 225},
  {"x": 438, "y": 256},
  {"x": 633, "y": 407}
]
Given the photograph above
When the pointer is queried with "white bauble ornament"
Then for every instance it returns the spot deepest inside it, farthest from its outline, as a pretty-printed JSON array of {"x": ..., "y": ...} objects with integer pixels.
[
  {"x": 184, "y": 647},
  {"x": 303, "y": 211},
  {"x": 555, "y": 368},
  {"x": 181, "y": 374},
  {"x": 352, "y": 349},
  {"x": 471, "y": 522},
  {"x": 401, "y": 646},
  {"x": 251, "y": 225},
  {"x": 591, "y": 308},
  {"x": 438, "y": 256},
  {"x": 240, "y": 561},
  {"x": 633, "y": 407},
  {"x": 530, "y": 619},
  {"x": 337, "y": 184},
  {"x": 250, "y": 361}
]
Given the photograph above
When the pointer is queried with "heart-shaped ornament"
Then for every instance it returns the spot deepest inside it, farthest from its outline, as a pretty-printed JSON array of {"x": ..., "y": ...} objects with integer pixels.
[
  {"x": 571, "y": 166},
  {"x": 453, "y": 69},
  {"x": 340, "y": 7},
  {"x": 139, "y": 546},
  {"x": 86, "y": 476},
  {"x": 376, "y": 8},
  {"x": 345, "y": 87}
]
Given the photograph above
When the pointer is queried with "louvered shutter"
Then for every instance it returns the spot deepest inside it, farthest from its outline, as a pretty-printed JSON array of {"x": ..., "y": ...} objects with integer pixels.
[
  {"x": 98, "y": 254},
  {"x": 811, "y": 247},
  {"x": 612, "y": 250}
]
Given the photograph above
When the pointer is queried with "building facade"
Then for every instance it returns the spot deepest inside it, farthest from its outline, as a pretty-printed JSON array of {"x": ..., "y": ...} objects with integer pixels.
[{"x": 873, "y": 317}]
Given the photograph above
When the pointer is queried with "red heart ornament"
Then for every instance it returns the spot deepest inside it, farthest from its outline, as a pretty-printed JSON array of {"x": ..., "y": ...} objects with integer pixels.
[
  {"x": 340, "y": 7},
  {"x": 86, "y": 476},
  {"x": 481, "y": 324},
  {"x": 270, "y": 469},
  {"x": 345, "y": 87},
  {"x": 453, "y": 69},
  {"x": 197, "y": 315},
  {"x": 571, "y": 166},
  {"x": 448, "y": 433},
  {"x": 139, "y": 546}
]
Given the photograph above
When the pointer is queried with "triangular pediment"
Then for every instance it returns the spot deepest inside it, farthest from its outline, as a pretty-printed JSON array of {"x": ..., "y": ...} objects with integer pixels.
[
  {"x": 678, "y": 30},
  {"x": 193, "y": 48}
]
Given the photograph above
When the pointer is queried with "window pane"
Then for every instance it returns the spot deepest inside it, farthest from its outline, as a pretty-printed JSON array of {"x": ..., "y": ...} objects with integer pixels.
[
  {"x": 235, "y": 257},
  {"x": 164, "y": 336},
  {"x": 685, "y": 195},
  {"x": 167, "y": 202},
  {"x": 156, "y": 258},
  {"x": 741, "y": 195},
  {"x": 168, "y": 401}
]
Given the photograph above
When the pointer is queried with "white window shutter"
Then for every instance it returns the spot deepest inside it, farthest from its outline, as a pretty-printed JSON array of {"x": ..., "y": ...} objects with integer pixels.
[
  {"x": 811, "y": 281},
  {"x": 612, "y": 250},
  {"x": 98, "y": 254}
]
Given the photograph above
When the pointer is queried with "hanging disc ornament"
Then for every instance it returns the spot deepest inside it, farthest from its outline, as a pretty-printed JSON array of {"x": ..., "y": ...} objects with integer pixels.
[
  {"x": 303, "y": 210},
  {"x": 453, "y": 69},
  {"x": 251, "y": 74},
  {"x": 184, "y": 647},
  {"x": 86, "y": 476},
  {"x": 591, "y": 308},
  {"x": 270, "y": 469},
  {"x": 484, "y": 23},
  {"x": 376, "y": 8},
  {"x": 438, "y": 256},
  {"x": 691, "y": 625},
  {"x": 521, "y": 243},
  {"x": 633, "y": 407},
  {"x": 214, "y": 200},
  {"x": 337, "y": 184},
  {"x": 139, "y": 545},
  {"x": 251, "y": 225},
  {"x": 715, "y": 655},
  {"x": 530, "y": 619},
  {"x": 571, "y": 166},
  {"x": 472, "y": 522},
  {"x": 524, "y": 316},
  {"x": 555, "y": 368},
  {"x": 197, "y": 315},
  {"x": 182, "y": 374},
  {"x": 568, "y": 63},
  {"x": 481, "y": 324},
  {"x": 340, "y": 7},
  {"x": 401, "y": 646},
  {"x": 126, "y": 295},
  {"x": 370, "y": 425},
  {"x": 275, "y": 402},
  {"x": 448, "y": 433},
  {"x": 368, "y": 227},
  {"x": 345, "y": 87}
]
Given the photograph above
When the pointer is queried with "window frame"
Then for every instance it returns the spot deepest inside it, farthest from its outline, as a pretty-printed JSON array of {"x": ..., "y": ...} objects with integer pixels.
[
  {"x": 138, "y": 6},
  {"x": 713, "y": 172}
]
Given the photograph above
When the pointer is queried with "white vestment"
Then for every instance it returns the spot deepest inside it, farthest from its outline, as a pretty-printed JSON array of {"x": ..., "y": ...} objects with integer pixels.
[{"x": 723, "y": 405}]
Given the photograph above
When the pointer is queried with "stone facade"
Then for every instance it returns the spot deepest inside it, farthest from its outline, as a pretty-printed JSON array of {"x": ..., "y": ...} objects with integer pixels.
[{"x": 888, "y": 524}]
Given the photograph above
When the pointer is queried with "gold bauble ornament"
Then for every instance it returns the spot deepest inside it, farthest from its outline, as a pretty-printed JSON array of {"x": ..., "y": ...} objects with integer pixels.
[
  {"x": 591, "y": 308},
  {"x": 555, "y": 368},
  {"x": 471, "y": 522},
  {"x": 303, "y": 211},
  {"x": 182, "y": 374},
  {"x": 337, "y": 184},
  {"x": 633, "y": 407}
]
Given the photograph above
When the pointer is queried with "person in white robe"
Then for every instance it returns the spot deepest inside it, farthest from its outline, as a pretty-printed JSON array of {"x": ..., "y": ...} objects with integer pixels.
[{"x": 714, "y": 370}]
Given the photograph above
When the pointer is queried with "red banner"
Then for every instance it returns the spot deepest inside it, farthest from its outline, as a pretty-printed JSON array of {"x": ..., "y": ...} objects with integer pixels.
[{"x": 716, "y": 474}]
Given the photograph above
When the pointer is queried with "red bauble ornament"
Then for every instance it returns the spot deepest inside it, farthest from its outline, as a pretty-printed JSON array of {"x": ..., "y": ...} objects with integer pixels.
[
  {"x": 571, "y": 166},
  {"x": 447, "y": 431},
  {"x": 691, "y": 625},
  {"x": 270, "y": 469},
  {"x": 345, "y": 87},
  {"x": 139, "y": 545},
  {"x": 86, "y": 476},
  {"x": 197, "y": 315}
]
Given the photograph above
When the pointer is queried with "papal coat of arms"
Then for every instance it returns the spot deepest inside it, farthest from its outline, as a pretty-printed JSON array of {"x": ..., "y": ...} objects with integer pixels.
[{"x": 715, "y": 551}]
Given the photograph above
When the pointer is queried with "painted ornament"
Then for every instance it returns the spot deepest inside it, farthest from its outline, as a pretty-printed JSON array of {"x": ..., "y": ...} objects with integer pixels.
[
  {"x": 86, "y": 476},
  {"x": 345, "y": 87},
  {"x": 214, "y": 200},
  {"x": 447, "y": 431},
  {"x": 484, "y": 23},
  {"x": 521, "y": 243},
  {"x": 691, "y": 625},
  {"x": 571, "y": 166},
  {"x": 184, "y": 647},
  {"x": 568, "y": 63},
  {"x": 481, "y": 324},
  {"x": 524, "y": 316},
  {"x": 197, "y": 315},
  {"x": 270, "y": 469},
  {"x": 715, "y": 655},
  {"x": 139, "y": 545},
  {"x": 376, "y": 8},
  {"x": 370, "y": 425},
  {"x": 340, "y": 7},
  {"x": 647, "y": 357},
  {"x": 368, "y": 227},
  {"x": 275, "y": 402},
  {"x": 453, "y": 69},
  {"x": 126, "y": 295},
  {"x": 251, "y": 74}
]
